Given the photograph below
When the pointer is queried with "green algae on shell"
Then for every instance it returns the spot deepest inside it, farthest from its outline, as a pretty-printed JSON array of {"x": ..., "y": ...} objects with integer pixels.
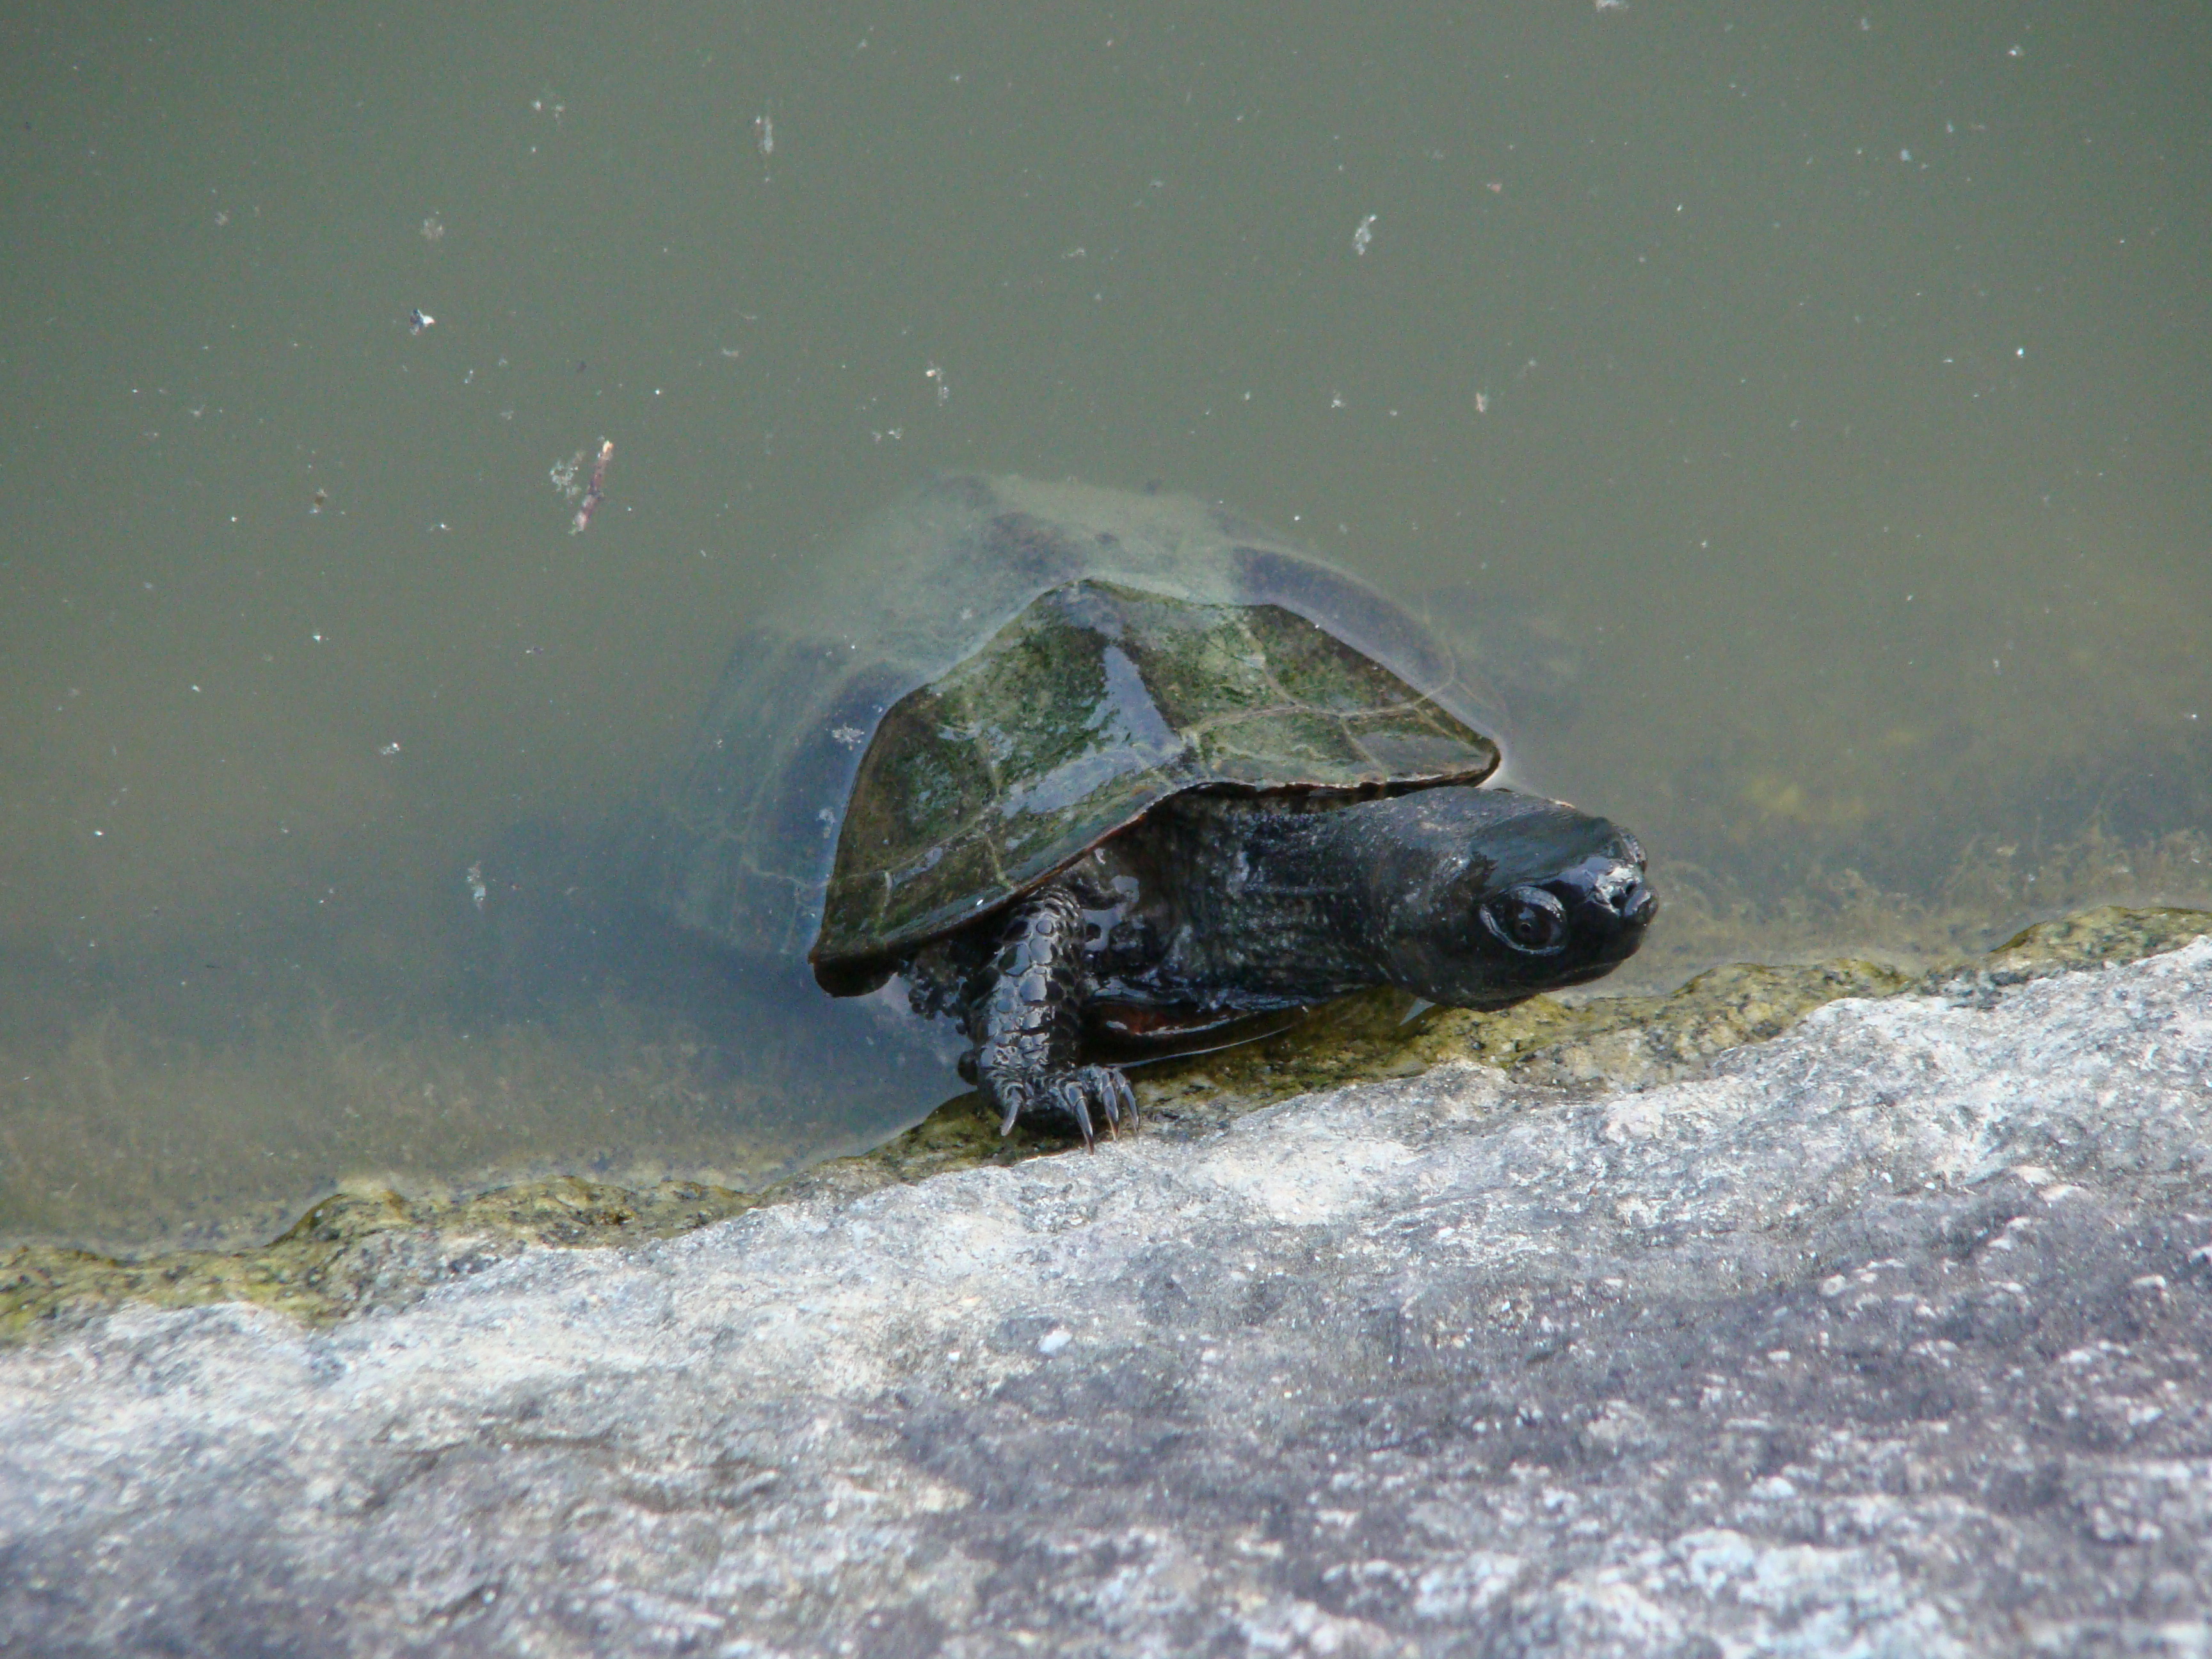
[
  {"x": 1095, "y": 704},
  {"x": 741, "y": 846}
]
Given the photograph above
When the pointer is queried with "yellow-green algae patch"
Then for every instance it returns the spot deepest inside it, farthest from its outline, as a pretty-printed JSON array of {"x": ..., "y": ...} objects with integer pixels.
[{"x": 359, "y": 1247}]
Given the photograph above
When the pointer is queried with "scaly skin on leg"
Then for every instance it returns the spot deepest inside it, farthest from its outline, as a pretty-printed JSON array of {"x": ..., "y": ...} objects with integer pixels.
[{"x": 1028, "y": 1022}]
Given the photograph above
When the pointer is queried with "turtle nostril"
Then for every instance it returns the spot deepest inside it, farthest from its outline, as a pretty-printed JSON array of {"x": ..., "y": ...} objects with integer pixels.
[{"x": 1637, "y": 906}]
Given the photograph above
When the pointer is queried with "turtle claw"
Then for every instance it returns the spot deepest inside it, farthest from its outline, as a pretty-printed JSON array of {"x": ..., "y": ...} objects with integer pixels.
[
  {"x": 1089, "y": 1094},
  {"x": 1095, "y": 1089}
]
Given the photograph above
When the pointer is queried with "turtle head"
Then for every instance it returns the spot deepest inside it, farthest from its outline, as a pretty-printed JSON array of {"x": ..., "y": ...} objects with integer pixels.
[{"x": 1480, "y": 897}]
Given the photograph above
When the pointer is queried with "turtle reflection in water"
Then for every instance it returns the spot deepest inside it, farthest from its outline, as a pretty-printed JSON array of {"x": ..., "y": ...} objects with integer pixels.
[{"x": 1082, "y": 764}]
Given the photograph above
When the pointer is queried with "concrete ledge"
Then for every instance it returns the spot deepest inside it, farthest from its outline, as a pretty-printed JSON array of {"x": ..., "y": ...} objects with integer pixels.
[{"x": 1889, "y": 1336}]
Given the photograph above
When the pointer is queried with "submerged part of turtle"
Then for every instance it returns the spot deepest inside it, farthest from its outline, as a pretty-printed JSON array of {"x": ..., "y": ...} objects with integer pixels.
[{"x": 1077, "y": 762}]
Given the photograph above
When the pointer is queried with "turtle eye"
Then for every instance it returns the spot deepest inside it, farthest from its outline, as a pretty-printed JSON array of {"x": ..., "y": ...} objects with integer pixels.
[{"x": 1526, "y": 918}]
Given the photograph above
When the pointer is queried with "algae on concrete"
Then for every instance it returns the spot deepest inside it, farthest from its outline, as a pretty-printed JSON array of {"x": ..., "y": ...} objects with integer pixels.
[{"x": 360, "y": 1249}]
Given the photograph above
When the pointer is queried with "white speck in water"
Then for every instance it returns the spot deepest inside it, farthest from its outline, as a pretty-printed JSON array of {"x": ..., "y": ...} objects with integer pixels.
[
  {"x": 477, "y": 892},
  {"x": 850, "y": 736},
  {"x": 387, "y": 751},
  {"x": 1364, "y": 236},
  {"x": 1053, "y": 1340}
]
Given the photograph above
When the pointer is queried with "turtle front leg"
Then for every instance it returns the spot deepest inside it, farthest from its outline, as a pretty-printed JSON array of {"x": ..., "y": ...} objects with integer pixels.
[{"x": 1027, "y": 1021}]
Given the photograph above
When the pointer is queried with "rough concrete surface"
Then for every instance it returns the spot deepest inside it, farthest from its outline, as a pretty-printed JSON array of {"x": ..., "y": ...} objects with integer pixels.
[{"x": 1888, "y": 1337}]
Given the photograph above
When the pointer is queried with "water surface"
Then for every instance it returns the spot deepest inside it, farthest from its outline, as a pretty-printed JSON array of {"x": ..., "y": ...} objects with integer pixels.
[{"x": 1806, "y": 409}]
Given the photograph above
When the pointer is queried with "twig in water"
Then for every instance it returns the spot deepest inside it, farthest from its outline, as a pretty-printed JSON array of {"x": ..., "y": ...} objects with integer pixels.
[{"x": 598, "y": 492}]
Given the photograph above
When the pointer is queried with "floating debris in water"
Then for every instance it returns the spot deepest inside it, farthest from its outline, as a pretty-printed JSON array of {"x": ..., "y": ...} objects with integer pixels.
[
  {"x": 1364, "y": 238},
  {"x": 434, "y": 229},
  {"x": 477, "y": 892},
  {"x": 764, "y": 132},
  {"x": 419, "y": 320},
  {"x": 850, "y": 736},
  {"x": 944, "y": 386},
  {"x": 597, "y": 491},
  {"x": 387, "y": 751},
  {"x": 320, "y": 500}
]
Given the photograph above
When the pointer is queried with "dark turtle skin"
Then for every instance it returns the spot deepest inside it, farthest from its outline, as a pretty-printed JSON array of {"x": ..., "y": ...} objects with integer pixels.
[
  {"x": 1103, "y": 765},
  {"x": 1215, "y": 907}
]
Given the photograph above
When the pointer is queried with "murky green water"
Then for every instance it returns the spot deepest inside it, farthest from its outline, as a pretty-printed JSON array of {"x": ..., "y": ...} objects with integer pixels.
[{"x": 1811, "y": 405}]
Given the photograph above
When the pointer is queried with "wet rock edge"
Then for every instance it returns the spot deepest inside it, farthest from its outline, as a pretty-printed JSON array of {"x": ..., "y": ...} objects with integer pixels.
[{"x": 359, "y": 1249}]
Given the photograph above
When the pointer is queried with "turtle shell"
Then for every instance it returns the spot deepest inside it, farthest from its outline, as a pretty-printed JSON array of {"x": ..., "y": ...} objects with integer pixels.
[
  {"x": 996, "y": 674},
  {"x": 1095, "y": 704}
]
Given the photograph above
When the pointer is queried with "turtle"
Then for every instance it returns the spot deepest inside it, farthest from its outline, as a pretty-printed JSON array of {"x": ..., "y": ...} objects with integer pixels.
[{"x": 1087, "y": 767}]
